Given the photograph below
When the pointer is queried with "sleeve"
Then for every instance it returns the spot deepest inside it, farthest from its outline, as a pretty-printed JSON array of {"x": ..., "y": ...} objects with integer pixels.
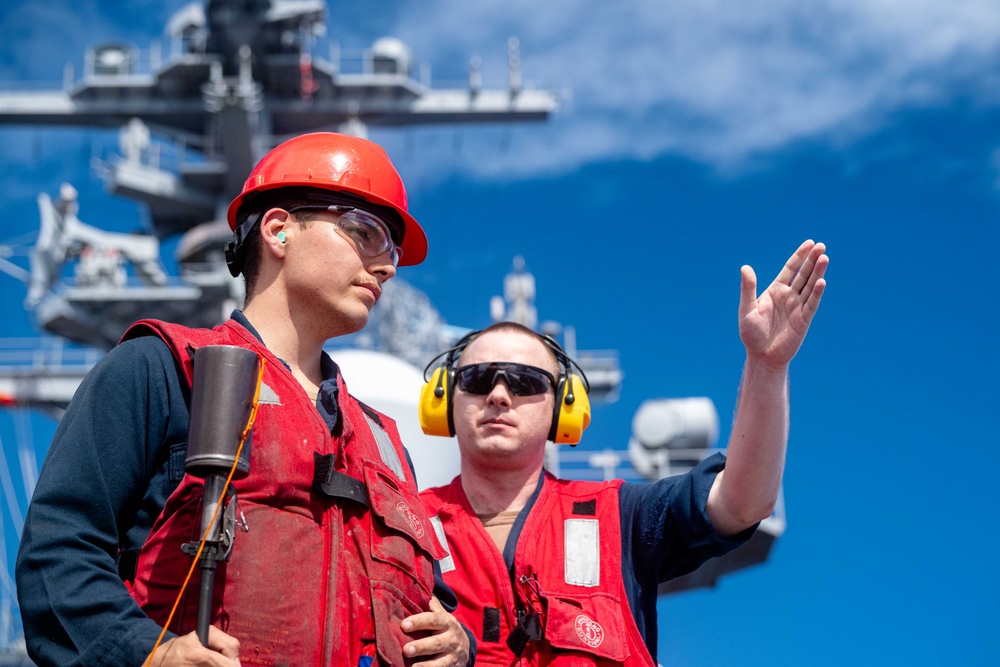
[
  {"x": 670, "y": 531},
  {"x": 105, "y": 473}
]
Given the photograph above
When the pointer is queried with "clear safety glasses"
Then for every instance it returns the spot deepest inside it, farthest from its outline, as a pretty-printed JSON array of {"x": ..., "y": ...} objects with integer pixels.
[
  {"x": 522, "y": 380},
  {"x": 369, "y": 234}
]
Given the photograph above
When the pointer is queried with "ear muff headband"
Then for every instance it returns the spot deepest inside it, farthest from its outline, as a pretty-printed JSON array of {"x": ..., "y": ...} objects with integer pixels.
[{"x": 570, "y": 417}]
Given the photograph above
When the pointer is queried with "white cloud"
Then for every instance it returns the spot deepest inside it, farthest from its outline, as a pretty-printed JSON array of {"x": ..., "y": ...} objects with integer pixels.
[
  {"x": 723, "y": 82},
  {"x": 719, "y": 81}
]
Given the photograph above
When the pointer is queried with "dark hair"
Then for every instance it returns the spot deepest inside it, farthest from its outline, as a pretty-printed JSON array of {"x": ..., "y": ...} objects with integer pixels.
[{"x": 256, "y": 205}]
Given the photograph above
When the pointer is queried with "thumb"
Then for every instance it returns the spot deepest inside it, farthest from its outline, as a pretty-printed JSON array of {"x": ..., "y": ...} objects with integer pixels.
[
  {"x": 748, "y": 290},
  {"x": 435, "y": 604}
]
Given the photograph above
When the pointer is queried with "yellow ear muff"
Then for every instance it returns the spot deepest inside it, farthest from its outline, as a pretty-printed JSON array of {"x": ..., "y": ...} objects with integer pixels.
[
  {"x": 434, "y": 417},
  {"x": 573, "y": 415}
]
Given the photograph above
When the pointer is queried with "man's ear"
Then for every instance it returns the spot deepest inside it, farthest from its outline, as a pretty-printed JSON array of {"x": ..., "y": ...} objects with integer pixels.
[{"x": 274, "y": 227}]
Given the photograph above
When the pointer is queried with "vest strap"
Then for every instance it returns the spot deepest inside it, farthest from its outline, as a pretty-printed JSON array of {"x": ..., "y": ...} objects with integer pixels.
[
  {"x": 491, "y": 624},
  {"x": 335, "y": 484}
]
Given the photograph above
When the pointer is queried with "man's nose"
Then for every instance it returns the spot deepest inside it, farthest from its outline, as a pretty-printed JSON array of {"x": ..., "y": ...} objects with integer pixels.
[
  {"x": 499, "y": 395},
  {"x": 381, "y": 267}
]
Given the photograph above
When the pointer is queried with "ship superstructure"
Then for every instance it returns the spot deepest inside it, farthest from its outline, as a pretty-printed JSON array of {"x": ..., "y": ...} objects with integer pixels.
[{"x": 194, "y": 113}]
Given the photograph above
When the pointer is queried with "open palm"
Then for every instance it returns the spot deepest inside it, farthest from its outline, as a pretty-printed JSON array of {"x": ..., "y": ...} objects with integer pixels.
[{"x": 773, "y": 325}]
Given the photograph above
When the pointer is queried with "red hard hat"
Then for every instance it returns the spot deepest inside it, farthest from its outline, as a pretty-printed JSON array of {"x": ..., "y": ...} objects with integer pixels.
[{"x": 340, "y": 163}]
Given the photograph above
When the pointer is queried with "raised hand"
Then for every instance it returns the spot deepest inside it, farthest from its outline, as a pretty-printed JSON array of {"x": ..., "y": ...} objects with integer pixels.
[{"x": 773, "y": 325}]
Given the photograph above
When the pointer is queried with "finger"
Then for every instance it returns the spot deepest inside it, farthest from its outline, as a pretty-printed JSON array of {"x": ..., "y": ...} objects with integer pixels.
[
  {"x": 812, "y": 303},
  {"x": 427, "y": 620},
  {"x": 748, "y": 290},
  {"x": 428, "y": 646},
  {"x": 443, "y": 661},
  {"x": 816, "y": 272},
  {"x": 443, "y": 652},
  {"x": 225, "y": 644},
  {"x": 434, "y": 619},
  {"x": 187, "y": 650},
  {"x": 222, "y": 649},
  {"x": 802, "y": 278},
  {"x": 450, "y": 641},
  {"x": 816, "y": 285},
  {"x": 794, "y": 263}
]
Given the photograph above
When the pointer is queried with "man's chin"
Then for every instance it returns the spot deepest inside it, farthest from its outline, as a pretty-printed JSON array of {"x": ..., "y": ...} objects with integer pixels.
[
  {"x": 357, "y": 321},
  {"x": 348, "y": 323},
  {"x": 501, "y": 447}
]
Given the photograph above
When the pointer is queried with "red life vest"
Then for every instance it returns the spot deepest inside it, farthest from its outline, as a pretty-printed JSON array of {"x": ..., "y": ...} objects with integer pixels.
[
  {"x": 567, "y": 569},
  {"x": 316, "y": 580}
]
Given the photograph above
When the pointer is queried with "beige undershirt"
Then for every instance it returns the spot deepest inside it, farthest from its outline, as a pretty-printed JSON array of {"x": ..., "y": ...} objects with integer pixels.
[{"x": 498, "y": 526}]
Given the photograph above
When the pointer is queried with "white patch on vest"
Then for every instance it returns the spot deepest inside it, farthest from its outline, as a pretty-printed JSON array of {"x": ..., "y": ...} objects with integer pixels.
[
  {"x": 447, "y": 563},
  {"x": 268, "y": 396},
  {"x": 411, "y": 518},
  {"x": 385, "y": 448},
  {"x": 589, "y": 631},
  {"x": 582, "y": 547}
]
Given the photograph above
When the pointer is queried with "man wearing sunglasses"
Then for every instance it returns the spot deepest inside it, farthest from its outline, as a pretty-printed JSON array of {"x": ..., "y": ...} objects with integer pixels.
[
  {"x": 551, "y": 571},
  {"x": 336, "y": 565}
]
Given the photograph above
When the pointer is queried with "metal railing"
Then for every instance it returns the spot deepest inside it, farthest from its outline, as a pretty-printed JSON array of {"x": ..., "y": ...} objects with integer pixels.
[{"x": 48, "y": 352}]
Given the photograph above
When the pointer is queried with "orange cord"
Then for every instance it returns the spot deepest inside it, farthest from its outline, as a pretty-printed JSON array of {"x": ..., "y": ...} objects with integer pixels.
[{"x": 225, "y": 489}]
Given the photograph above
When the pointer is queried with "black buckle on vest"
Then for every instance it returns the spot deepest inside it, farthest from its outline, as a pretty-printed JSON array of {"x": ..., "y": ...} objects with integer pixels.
[
  {"x": 529, "y": 623},
  {"x": 335, "y": 484},
  {"x": 528, "y": 629}
]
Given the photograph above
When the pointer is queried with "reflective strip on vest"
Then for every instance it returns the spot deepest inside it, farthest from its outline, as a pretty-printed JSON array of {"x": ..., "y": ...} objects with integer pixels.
[
  {"x": 268, "y": 396},
  {"x": 447, "y": 563},
  {"x": 583, "y": 552},
  {"x": 389, "y": 456}
]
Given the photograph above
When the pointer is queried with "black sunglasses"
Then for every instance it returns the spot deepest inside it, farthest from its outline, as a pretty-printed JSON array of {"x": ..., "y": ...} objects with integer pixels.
[{"x": 522, "y": 380}]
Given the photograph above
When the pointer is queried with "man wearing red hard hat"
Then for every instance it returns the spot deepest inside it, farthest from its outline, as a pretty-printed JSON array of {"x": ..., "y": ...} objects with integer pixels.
[{"x": 337, "y": 562}]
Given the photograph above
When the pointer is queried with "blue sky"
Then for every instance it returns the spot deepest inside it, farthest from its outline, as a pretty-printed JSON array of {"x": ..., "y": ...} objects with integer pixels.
[{"x": 694, "y": 138}]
